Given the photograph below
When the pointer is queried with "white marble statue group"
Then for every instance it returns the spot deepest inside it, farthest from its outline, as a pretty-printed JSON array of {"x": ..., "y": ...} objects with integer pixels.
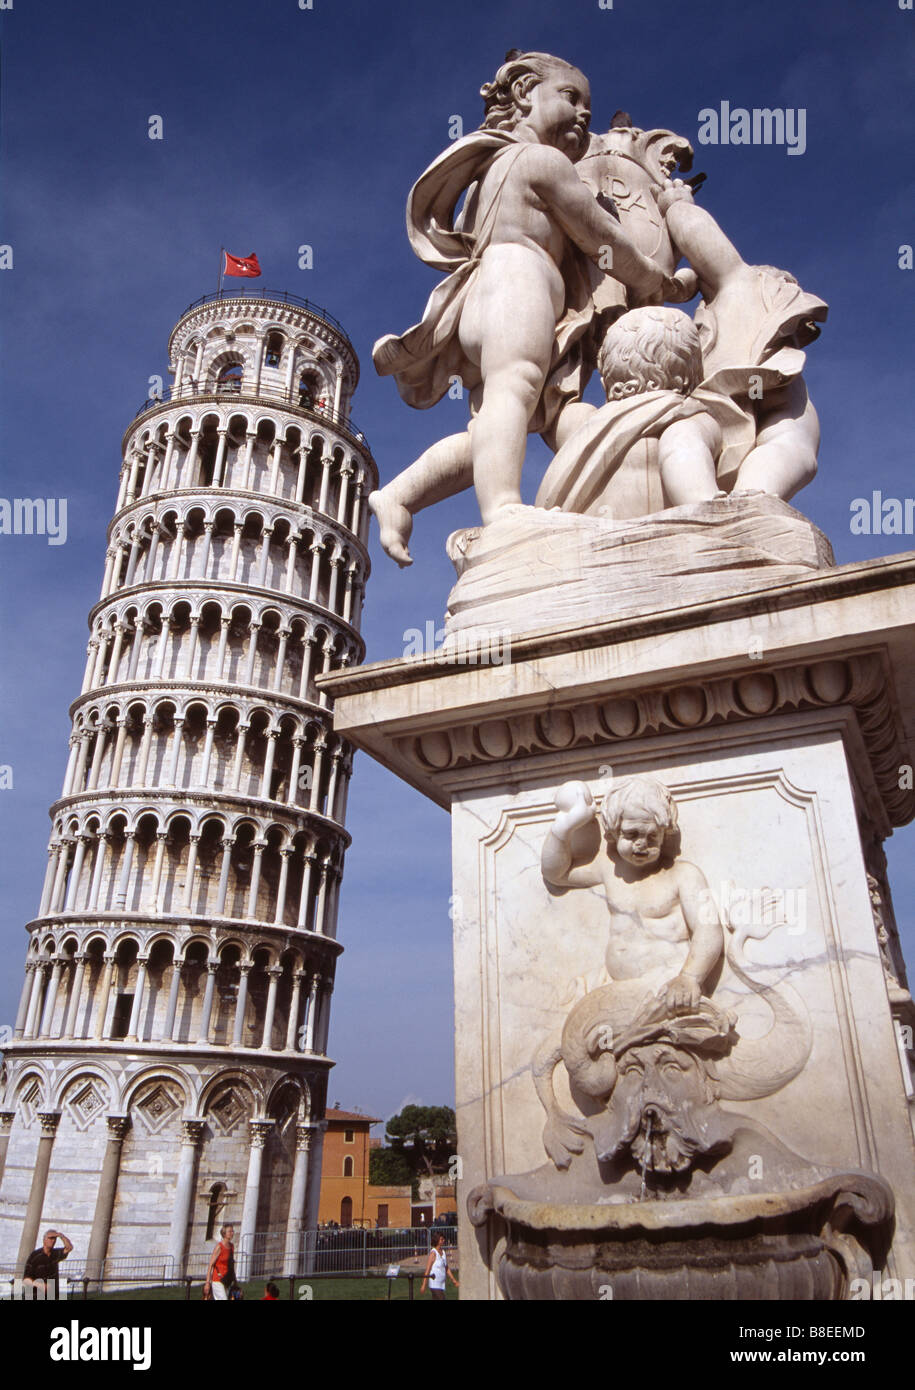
[{"x": 563, "y": 258}]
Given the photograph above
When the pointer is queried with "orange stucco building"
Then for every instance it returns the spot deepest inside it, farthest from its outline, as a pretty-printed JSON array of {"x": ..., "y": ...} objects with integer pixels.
[{"x": 347, "y": 1196}]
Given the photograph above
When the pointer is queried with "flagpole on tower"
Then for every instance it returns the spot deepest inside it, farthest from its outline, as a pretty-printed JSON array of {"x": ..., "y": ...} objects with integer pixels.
[{"x": 222, "y": 261}]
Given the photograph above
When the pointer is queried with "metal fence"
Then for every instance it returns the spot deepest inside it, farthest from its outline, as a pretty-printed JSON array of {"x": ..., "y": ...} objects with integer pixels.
[
  {"x": 291, "y": 1287},
  {"x": 342, "y": 1250},
  {"x": 75, "y": 1276},
  {"x": 259, "y": 1255}
]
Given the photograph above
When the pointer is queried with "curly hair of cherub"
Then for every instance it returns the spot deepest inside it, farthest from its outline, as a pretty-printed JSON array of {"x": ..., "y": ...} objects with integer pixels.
[
  {"x": 501, "y": 105},
  {"x": 643, "y": 798},
  {"x": 650, "y": 349}
]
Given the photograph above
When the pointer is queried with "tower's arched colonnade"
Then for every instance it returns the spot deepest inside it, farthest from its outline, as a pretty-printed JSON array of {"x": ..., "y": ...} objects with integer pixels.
[{"x": 169, "y": 1065}]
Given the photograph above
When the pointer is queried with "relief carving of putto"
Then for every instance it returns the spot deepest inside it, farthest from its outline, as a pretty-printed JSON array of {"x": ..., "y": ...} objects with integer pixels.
[{"x": 649, "y": 1054}]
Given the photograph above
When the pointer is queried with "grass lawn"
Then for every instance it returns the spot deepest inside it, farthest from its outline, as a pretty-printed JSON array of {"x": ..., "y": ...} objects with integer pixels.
[{"x": 322, "y": 1290}]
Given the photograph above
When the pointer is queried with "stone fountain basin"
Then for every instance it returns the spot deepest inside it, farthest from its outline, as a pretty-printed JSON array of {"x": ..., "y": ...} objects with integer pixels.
[{"x": 804, "y": 1244}]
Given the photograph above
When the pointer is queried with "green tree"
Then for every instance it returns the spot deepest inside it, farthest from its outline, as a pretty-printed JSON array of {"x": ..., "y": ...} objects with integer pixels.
[
  {"x": 388, "y": 1168},
  {"x": 425, "y": 1136}
]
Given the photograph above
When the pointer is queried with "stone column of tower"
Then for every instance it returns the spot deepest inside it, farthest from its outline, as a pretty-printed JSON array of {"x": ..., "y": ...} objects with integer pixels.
[{"x": 169, "y": 1067}]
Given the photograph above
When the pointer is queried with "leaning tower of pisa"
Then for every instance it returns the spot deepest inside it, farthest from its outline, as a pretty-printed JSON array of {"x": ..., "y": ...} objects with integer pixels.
[{"x": 169, "y": 1067}]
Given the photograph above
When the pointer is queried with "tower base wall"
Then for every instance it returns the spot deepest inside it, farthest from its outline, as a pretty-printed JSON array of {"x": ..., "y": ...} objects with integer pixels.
[{"x": 199, "y": 1144}]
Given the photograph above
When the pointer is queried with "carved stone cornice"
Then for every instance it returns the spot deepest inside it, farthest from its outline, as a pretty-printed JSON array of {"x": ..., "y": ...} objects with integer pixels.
[
  {"x": 840, "y": 641},
  {"x": 442, "y": 741},
  {"x": 859, "y": 681}
]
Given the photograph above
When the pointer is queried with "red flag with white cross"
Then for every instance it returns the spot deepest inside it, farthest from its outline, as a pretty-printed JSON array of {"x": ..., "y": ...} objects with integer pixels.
[{"x": 241, "y": 265}]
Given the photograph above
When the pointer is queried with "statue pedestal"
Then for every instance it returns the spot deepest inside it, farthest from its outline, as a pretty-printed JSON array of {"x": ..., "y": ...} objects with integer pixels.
[
  {"x": 573, "y": 569},
  {"x": 781, "y": 720}
]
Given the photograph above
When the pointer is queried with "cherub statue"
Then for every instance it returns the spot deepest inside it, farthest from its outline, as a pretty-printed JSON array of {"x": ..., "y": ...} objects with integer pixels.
[
  {"x": 658, "y": 350},
  {"x": 753, "y": 322},
  {"x": 663, "y": 921},
  {"x": 507, "y": 319},
  {"x": 743, "y": 359}
]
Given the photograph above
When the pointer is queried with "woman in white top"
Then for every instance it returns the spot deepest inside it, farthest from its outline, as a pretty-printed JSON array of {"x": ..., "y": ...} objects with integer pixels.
[{"x": 437, "y": 1270}]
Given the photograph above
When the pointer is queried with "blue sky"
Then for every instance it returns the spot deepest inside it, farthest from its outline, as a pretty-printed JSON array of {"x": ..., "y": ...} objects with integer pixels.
[{"x": 283, "y": 127}]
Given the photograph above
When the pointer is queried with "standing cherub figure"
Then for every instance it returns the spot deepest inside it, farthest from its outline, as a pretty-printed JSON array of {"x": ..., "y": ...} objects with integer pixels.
[
  {"x": 663, "y": 921},
  {"x": 518, "y": 298}
]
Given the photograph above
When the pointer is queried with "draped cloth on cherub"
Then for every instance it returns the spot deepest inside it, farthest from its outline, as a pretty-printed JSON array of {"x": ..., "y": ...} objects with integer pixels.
[
  {"x": 758, "y": 348},
  {"x": 425, "y": 360}
]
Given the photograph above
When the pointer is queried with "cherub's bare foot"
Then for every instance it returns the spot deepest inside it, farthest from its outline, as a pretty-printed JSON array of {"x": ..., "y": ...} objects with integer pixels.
[{"x": 394, "y": 524}]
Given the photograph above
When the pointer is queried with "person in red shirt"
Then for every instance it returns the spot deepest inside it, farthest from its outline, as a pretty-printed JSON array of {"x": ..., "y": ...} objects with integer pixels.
[
  {"x": 221, "y": 1273},
  {"x": 271, "y": 1294}
]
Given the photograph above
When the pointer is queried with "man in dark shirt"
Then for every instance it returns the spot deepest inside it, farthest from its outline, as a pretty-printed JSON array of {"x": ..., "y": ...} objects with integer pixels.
[{"x": 41, "y": 1266}]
